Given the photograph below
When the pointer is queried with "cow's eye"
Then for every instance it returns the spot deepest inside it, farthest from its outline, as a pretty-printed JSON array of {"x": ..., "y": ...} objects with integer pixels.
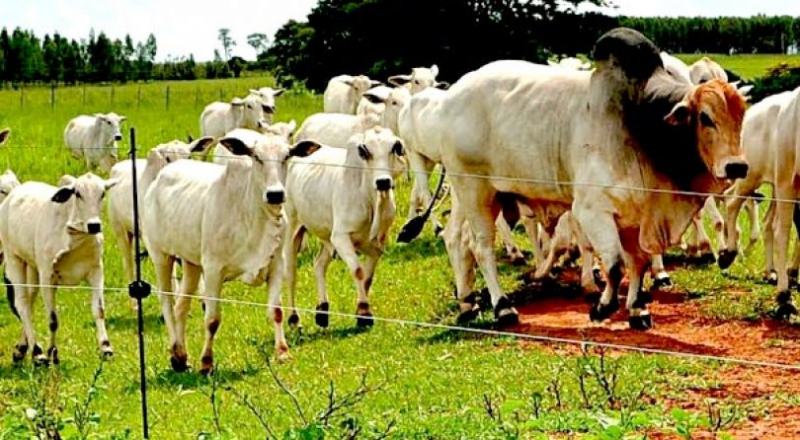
[
  {"x": 78, "y": 195},
  {"x": 706, "y": 120},
  {"x": 416, "y": 81}
]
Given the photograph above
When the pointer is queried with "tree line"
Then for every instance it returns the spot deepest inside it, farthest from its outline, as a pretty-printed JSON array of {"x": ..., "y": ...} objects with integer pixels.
[{"x": 384, "y": 37}]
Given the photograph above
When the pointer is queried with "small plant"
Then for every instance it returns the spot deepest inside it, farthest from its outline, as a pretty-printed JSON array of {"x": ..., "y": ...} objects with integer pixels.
[
  {"x": 44, "y": 416},
  {"x": 83, "y": 417}
]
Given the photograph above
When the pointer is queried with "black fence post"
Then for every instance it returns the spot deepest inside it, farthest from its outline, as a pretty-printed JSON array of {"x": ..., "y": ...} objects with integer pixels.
[
  {"x": 52, "y": 96},
  {"x": 166, "y": 99},
  {"x": 139, "y": 289}
]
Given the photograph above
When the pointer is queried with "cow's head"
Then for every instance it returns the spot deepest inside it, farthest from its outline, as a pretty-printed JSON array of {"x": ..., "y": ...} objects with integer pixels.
[
  {"x": 267, "y": 96},
  {"x": 8, "y": 181},
  {"x": 284, "y": 129},
  {"x": 177, "y": 150},
  {"x": 84, "y": 198},
  {"x": 251, "y": 114},
  {"x": 420, "y": 79},
  {"x": 714, "y": 112},
  {"x": 392, "y": 104},
  {"x": 109, "y": 125},
  {"x": 380, "y": 152},
  {"x": 268, "y": 156},
  {"x": 4, "y": 135}
]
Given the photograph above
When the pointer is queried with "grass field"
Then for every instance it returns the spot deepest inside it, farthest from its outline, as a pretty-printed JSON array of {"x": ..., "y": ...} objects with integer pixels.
[
  {"x": 421, "y": 383},
  {"x": 748, "y": 66}
]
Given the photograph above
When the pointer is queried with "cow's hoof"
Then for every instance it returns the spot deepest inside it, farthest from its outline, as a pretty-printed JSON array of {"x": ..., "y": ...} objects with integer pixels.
[
  {"x": 322, "y": 318},
  {"x": 294, "y": 320},
  {"x": 505, "y": 314},
  {"x": 792, "y": 274},
  {"x": 364, "y": 316},
  {"x": 785, "y": 307},
  {"x": 662, "y": 282},
  {"x": 206, "y": 365},
  {"x": 52, "y": 354},
  {"x": 106, "y": 349},
  {"x": 726, "y": 258},
  {"x": 282, "y": 353},
  {"x": 19, "y": 352},
  {"x": 707, "y": 258},
  {"x": 467, "y": 313},
  {"x": 597, "y": 274},
  {"x": 771, "y": 277},
  {"x": 40, "y": 359},
  {"x": 641, "y": 322},
  {"x": 642, "y": 300},
  {"x": 518, "y": 260},
  {"x": 600, "y": 312},
  {"x": 179, "y": 364}
]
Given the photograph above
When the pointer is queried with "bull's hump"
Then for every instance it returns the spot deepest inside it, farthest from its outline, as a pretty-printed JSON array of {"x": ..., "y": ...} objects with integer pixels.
[{"x": 634, "y": 53}]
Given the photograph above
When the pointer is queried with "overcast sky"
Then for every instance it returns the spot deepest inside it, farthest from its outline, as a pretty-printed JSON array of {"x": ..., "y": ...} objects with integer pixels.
[{"x": 190, "y": 26}]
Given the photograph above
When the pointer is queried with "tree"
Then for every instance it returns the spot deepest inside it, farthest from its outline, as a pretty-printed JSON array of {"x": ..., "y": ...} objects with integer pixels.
[
  {"x": 227, "y": 42},
  {"x": 259, "y": 43}
]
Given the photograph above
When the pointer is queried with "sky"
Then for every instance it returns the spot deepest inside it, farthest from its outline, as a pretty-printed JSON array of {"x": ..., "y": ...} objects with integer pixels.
[{"x": 184, "y": 27}]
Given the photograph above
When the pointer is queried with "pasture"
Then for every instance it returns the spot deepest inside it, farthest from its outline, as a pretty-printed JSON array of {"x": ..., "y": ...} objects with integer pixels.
[
  {"x": 419, "y": 382},
  {"x": 748, "y": 66}
]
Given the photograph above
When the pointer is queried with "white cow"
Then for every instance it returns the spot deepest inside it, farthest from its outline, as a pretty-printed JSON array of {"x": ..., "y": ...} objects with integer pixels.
[
  {"x": 676, "y": 68},
  {"x": 223, "y": 222},
  {"x": 94, "y": 138},
  {"x": 705, "y": 69},
  {"x": 420, "y": 79},
  {"x": 52, "y": 236},
  {"x": 627, "y": 124},
  {"x": 344, "y": 92},
  {"x": 120, "y": 201},
  {"x": 285, "y": 130},
  {"x": 345, "y": 197},
  {"x": 571, "y": 63},
  {"x": 219, "y": 118},
  {"x": 267, "y": 96},
  {"x": 385, "y": 102},
  {"x": 770, "y": 138}
]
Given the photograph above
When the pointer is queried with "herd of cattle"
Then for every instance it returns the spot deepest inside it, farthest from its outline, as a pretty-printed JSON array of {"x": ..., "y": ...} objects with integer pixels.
[{"x": 617, "y": 161}]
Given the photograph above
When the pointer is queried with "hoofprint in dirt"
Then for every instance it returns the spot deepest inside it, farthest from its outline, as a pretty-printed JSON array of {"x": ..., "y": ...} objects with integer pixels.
[{"x": 555, "y": 308}]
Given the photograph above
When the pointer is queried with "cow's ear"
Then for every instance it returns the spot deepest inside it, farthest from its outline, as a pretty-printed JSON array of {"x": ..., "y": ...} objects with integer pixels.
[
  {"x": 123, "y": 118},
  {"x": 679, "y": 115},
  {"x": 304, "y": 148},
  {"x": 236, "y": 102},
  {"x": 349, "y": 82},
  {"x": 374, "y": 99},
  {"x": 202, "y": 144},
  {"x": 363, "y": 152},
  {"x": 237, "y": 146},
  {"x": 443, "y": 85},
  {"x": 278, "y": 92},
  {"x": 399, "y": 80},
  {"x": 255, "y": 92},
  {"x": 67, "y": 180},
  {"x": 375, "y": 83},
  {"x": 4, "y": 135},
  {"x": 110, "y": 183},
  {"x": 63, "y": 194},
  {"x": 292, "y": 126},
  {"x": 398, "y": 148},
  {"x": 435, "y": 70}
]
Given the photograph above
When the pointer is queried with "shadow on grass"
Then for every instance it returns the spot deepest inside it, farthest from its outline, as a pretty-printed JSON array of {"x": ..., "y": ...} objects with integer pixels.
[
  {"x": 306, "y": 336},
  {"x": 131, "y": 322},
  {"x": 191, "y": 379}
]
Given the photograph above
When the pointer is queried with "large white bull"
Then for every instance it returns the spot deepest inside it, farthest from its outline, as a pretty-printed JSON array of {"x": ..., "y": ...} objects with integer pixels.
[{"x": 525, "y": 133}]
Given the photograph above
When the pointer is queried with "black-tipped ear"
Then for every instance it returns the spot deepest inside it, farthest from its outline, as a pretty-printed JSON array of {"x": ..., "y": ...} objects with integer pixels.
[
  {"x": 4, "y": 135},
  {"x": 189, "y": 138},
  {"x": 363, "y": 152},
  {"x": 236, "y": 146},
  {"x": 374, "y": 99},
  {"x": 679, "y": 115},
  {"x": 442, "y": 85},
  {"x": 63, "y": 194},
  {"x": 304, "y": 148},
  {"x": 202, "y": 144},
  {"x": 399, "y": 80},
  {"x": 278, "y": 92},
  {"x": 398, "y": 149}
]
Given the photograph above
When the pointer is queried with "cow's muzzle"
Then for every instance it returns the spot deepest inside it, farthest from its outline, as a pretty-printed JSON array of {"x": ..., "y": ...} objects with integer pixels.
[
  {"x": 275, "y": 197},
  {"x": 383, "y": 184},
  {"x": 117, "y": 137},
  {"x": 268, "y": 109},
  {"x": 94, "y": 228},
  {"x": 736, "y": 170}
]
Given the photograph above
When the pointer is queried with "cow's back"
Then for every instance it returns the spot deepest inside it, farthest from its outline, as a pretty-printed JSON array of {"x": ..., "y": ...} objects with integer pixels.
[
  {"x": 216, "y": 119},
  {"x": 517, "y": 120},
  {"x": 21, "y": 218},
  {"x": 311, "y": 185},
  {"x": 336, "y": 98},
  {"x": 78, "y": 135}
]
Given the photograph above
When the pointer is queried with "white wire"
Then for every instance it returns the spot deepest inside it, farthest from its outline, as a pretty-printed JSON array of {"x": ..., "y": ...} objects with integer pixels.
[{"x": 487, "y": 332}]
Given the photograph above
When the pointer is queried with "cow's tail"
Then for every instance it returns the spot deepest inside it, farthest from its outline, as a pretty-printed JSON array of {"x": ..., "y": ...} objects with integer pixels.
[
  {"x": 10, "y": 296},
  {"x": 413, "y": 227}
]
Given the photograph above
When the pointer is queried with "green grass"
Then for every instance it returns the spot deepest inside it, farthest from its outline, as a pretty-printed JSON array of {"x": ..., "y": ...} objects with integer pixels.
[
  {"x": 431, "y": 383},
  {"x": 748, "y": 66}
]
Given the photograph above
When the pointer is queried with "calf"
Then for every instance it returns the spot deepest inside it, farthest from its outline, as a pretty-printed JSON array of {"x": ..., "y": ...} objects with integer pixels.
[
  {"x": 345, "y": 197},
  {"x": 94, "y": 138},
  {"x": 223, "y": 222},
  {"x": 53, "y": 236},
  {"x": 344, "y": 92},
  {"x": 267, "y": 96},
  {"x": 219, "y": 118},
  {"x": 120, "y": 202}
]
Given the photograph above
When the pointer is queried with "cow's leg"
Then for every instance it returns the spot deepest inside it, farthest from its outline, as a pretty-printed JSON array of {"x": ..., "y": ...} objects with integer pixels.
[
  {"x": 15, "y": 271},
  {"x": 751, "y": 206},
  {"x": 96, "y": 281},
  {"x": 532, "y": 230},
  {"x": 274, "y": 285},
  {"x": 601, "y": 230},
  {"x": 636, "y": 262},
  {"x": 49, "y": 297},
  {"x": 420, "y": 193},
  {"x": 703, "y": 241},
  {"x": 660, "y": 275},
  {"x": 477, "y": 203},
  {"x": 769, "y": 244},
  {"x": 164, "y": 265},
  {"x": 727, "y": 253},
  {"x": 291, "y": 247},
  {"x": 183, "y": 303},
  {"x": 344, "y": 247},
  {"x": 506, "y": 236},
  {"x": 213, "y": 280},
  {"x": 457, "y": 242},
  {"x": 125, "y": 243},
  {"x": 559, "y": 240},
  {"x": 783, "y": 224},
  {"x": 321, "y": 264}
]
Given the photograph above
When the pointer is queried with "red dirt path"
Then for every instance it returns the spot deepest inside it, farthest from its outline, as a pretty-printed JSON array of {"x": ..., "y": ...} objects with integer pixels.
[{"x": 680, "y": 326}]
